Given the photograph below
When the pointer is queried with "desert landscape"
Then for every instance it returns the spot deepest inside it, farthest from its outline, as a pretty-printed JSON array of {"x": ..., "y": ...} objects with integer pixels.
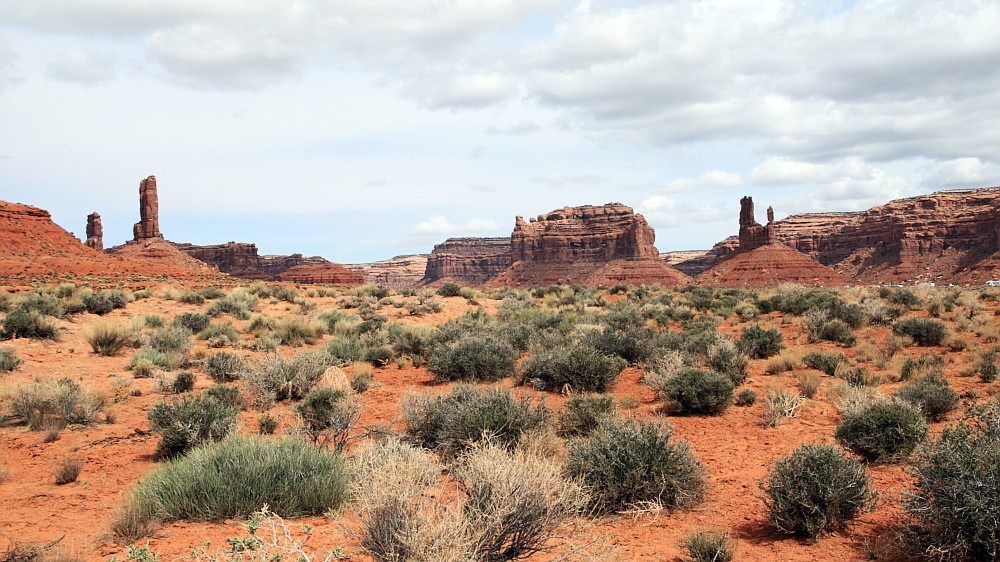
[{"x": 568, "y": 393}]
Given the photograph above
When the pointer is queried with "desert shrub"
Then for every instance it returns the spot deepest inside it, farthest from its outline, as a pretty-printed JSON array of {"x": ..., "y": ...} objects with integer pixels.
[
  {"x": 220, "y": 335},
  {"x": 925, "y": 332},
  {"x": 67, "y": 470},
  {"x": 23, "y": 322},
  {"x": 987, "y": 368},
  {"x": 225, "y": 366},
  {"x": 287, "y": 475},
  {"x": 266, "y": 425},
  {"x": 191, "y": 298},
  {"x": 694, "y": 391},
  {"x": 183, "y": 382},
  {"x": 473, "y": 358},
  {"x": 170, "y": 339},
  {"x": 96, "y": 303},
  {"x": 260, "y": 322},
  {"x": 632, "y": 343},
  {"x": 837, "y": 331},
  {"x": 349, "y": 348},
  {"x": 61, "y": 401},
  {"x": 808, "y": 384},
  {"x": 584, "y": 414},
  {"x": 883, "y": 430},
  {"x": 628, "y": 462},
  {"x": 746, "y": 397},
  {"x": 931, "y": 394},
  {"x": 108, "y": 339},
  {"x": 779, "y": 405},
  {"x": 287, "y": 378},
  {"x": 164, "y": 359},
  {"x": 190, "y": 421},
  {"x": 859, "y": 377},
  {"x": 212, "y": 292},
  {"x": 328, "y": 415},
  {"x": 379, "y": 356},
  {"x": 782, "y": 363},
  {"x": 42, "y": 303},
  {"x": 927, "y": 363},
  {"x": 297, "y": 331},
  {"x": 956, "y": 503},
  {"x": 8, "y": 361},
  {"x": 448, "y": 290},
  {"x": 579, "y": 368},
  {"x": 826, "y": 362},
  {"x": 225, "y": 395},
  {"x": 710, "y": 546},
  {"x": 759, "y": 343},
  {"x": 452, "y": 422},
  {"x": 725, "y": 357},
  {"x": 899, "y": 295},
  {"x": 237, "y": 303},
  {"x": 515, "y": 500},
  {"x": 412, "y": 342},
  {"x": 192, "y": 321}
]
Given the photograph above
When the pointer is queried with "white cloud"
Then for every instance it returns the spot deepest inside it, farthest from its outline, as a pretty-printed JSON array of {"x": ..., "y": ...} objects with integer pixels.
[
  {"x": 518, "y": 130},
  {"x": 962, "y": 172},
  {"x": 439, "y": 226},
  {"x": 786, "y": 171},
  {"x": 666, "y": 212},
  {"x": 561, "y": 180},
  {"x": 82, "y": 67},
  {"x": 709, "y": 179},
  {"x": 8, "y": 72}
]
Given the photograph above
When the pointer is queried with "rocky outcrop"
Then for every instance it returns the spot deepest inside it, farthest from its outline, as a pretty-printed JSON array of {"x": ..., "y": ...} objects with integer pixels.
[
  {"x": 399, "y": 272},
  {"x": 943, "y": 237},
  {"x": 149, "y": 211},
  {"x": 328, "y": 273},
  {"x": 274, "y": 265},
  {"x": 759, "y": 260},
  {"x": 590, "y": 245},
  {"x": 238, "y": 259},
  {"x": 95, "y": 232},
  {"x": 467, "y": 261},
  {"x": 689, "y": 262},
  {"x": 160, "y": 251}
]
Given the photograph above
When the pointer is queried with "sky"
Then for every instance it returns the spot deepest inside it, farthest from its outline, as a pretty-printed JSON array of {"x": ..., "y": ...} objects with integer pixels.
[{"x": 363, "y": 130}]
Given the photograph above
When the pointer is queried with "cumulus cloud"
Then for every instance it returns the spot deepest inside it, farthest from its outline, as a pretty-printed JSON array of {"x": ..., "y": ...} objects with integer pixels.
[
  {"x": 439, "y": 226},
  {"x": 962, "y": 172},
  {"x": 786, "y": 171},
  {"x": 668, "y": 212},
  {"x": 83, "y": 67}
]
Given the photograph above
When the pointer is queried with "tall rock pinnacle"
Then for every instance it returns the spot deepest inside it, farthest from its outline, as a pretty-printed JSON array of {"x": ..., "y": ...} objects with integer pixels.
[
  {"x": 95, "y": 232},
  {"x": 149, "y": 211}
]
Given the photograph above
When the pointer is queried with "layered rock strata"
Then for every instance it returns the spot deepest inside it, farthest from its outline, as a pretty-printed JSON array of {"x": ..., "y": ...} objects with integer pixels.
[
  {"x": 235, "y": 258},
  {"x": 149, "y": 211},
  {"x": 95, "y": 232},
  {"x": 589, "y": 245},
  {"x": 760, "y": 260},
  {"x": 241, "y": 259},
  {"x": 399, "y": 272},
  {"x": 467, "y": 261}
]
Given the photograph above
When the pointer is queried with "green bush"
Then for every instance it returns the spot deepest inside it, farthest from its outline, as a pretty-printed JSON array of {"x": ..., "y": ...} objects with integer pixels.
[
  {"x": 814, "y": 488},
  {"x": 710, "y": 546},
  {"x": 170, "y": 339},
  {"x": 288, "y": 476},
  {"x": 726, "y": 358},
  {"x": 107, "y": 339},
  {"x": 238, "y": 304},
  {"x": 24, "y": 322},
  {"x": 628, "y": 462},
  {"x": 694, "y": 391},
  {"x": 183, "y": 382},
  {"x": 759, "y": 343},
  {"x": 882, "y": 430},
  {"x": 49, "y": 400},
  {"x": 45, "y": 304},
  {"x": 190, "y": 421},
  {"x": 925, "y": 332},
  {"x": 956, "y": 503},
  {"x": 584, "y": 414},
  {"x": 225, "y": 366},
  {"x": 634, "y": 344},
  {"x": 746, "y": 397},
  {"x": 579, "y": 368},
  {"x": 192, "y": 321},
  {"x": 225, "y": 395},
  {"x": 330, "y": 414},
  {"x": 859, "y": 377},
  {"x": 192, "y": 298},
  {"x": 8, "y": 361},
  {"x": 448, "y": 290},
  {"x": 467, "y": 415},
  {"x": 926, "y": 364},
  {"x": 837, "y": 331},
  {"x": 96, "y": 303},
  {"x": 987, "y": 366},
  {"x": 287, "y": 378},
  {"x": 932, "y": 395},
  {"x": 473, "y": 358},
  {"x": 220, "y": 335},
  {"x": 164, "y": 359}
]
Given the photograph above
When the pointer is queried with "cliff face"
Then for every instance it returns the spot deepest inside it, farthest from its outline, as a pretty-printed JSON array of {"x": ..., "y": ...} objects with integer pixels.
[
  {"x": 467, "y": 261},
  {"x": 400, "y": 272},
  {"x": 235, "y": 258},
  {"x": 242, "y": 260},
  {"x": 149, "y": 211},
  {"x": 328, "y": 273},
  {"x": 588, "y": 245},
  {"x": 946, "y": 236}
]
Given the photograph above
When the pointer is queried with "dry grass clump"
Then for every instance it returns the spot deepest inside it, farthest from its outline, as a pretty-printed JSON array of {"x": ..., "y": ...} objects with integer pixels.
[
  {"x": 49, "y": 401},
  {"x": 67, "y": 470},
  {"x": 783, "y": 363},
  {"x": 809, "y": 384},
  {"x": 779, "y": 405}
]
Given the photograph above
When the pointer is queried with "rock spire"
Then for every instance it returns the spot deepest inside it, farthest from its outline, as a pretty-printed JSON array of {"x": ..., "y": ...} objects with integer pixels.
[
  {"x": 149, "y": 211},
  {"x": 95, "y": 232}
]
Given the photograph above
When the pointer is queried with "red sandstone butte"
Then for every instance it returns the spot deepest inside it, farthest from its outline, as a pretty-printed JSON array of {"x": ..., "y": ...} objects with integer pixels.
[
  {"x": 149, "y": 211},
  {"x": 95, "y": 232},
  {"x": 399, "y": 272},
  {"x": 588, "y": 245},
  {"x": 761, "y": 261},
  {"x": 326, "y": 274},
  {"x": 467, "y": 261}
]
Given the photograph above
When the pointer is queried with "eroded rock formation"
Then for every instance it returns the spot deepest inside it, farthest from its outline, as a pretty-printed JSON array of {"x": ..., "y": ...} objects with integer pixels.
[
  {"x": 760, "y": 260},
  {"x": 467, "y": 261},
  {"x": 235, "y": 258},
  {"x": 399, "y": 272},
  {"x": 95, "y": 232},
  {"x": 149, "y": 211},
  {"x": 328, "y": 273},
  {"x": 943, "y": 237},
  {"x": 590, "y": 245},
  {"x": 241, "y": 259}
]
